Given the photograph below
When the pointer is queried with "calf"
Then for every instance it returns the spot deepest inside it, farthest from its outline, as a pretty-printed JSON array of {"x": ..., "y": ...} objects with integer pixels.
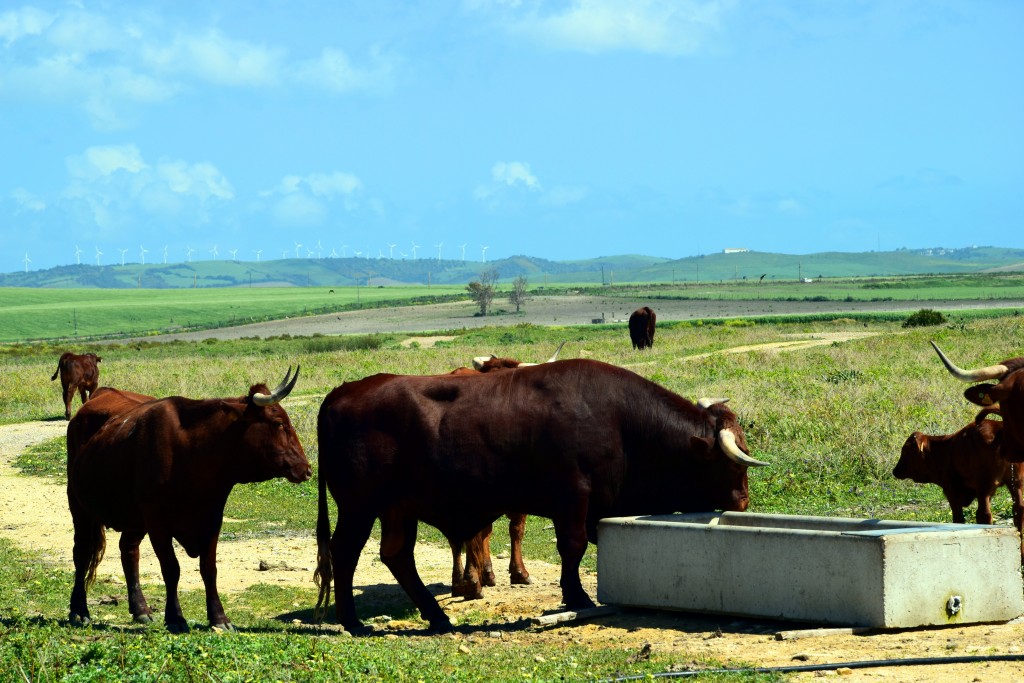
[
  {"x": 641, "y": 327},
  {"x": 967, "y": 465},
  {"x": 77, "y": 372}
]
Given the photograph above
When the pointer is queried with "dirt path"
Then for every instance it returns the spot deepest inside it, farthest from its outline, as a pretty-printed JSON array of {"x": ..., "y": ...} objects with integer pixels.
[{"x": 34, "y": 515}]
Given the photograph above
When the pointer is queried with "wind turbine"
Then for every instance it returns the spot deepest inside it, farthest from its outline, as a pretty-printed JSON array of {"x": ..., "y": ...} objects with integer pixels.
[
  {"x": 483, "y": 253},
  {"x": 123, "y": 252},
  {"x": 257, "y": 252},
  {"x": 414, "y": 248},
  {"x": 463, "y": 247},
  {"x": 189, "y": 256},
  {"x": 165, "y": 254},
  {"x": 284, "y": 253},
  {"x": 309, "y": 253},
  {"x": 318, "y": 248},
  {"x": 78, "y": 255},
  {"x": 334, "y": 254},
  {"x": 27, "y": 261},
  {"x": 391, "y": 252},
  {"x": 439, "y": 250},
  {"x": 214, "y": 251},
  {"x": 297, "y": 245},
  {"x": 98, "y": 254},
  {"x": 344, "y": 250},
  {"x": 142, "y": 253},
  {"x": 233, "y": 252}
]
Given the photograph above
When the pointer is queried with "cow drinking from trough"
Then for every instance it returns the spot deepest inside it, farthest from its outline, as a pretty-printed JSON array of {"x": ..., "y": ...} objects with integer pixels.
[
  {"x": 78, "y": 372},
  {"x": 1006, "y": 397},
  {"x": 966, "y": 465},
  {"x": 165, "y": 468},
  {"x": 574, "y": 441},
  {"x": 468, "y": 582},
  {"x": 641, "y": 327}
]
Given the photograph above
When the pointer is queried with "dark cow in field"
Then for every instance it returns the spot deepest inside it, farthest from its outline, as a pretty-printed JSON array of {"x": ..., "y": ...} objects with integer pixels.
[
  {"x": 966, "y": 465},
  {"x": 574, "y": 441},
  {"x": 641, "y": 327},
  {"x": 165, "y": 467},
  {"x": 1005, "y": 397},
  {"x": 77, "y": 372},
  {"x": 468, "y": 582}
]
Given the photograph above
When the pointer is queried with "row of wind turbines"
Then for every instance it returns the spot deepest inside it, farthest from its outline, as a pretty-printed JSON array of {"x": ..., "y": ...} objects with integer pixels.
[{"x": 311, "y": 253}]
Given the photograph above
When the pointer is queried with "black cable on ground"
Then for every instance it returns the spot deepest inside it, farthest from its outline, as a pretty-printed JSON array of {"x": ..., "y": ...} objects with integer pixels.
[{"x": 797, "y": 668}]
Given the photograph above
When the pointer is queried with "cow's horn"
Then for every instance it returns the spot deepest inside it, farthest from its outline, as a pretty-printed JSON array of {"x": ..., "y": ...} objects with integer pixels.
[
  {"x": 557, "y": 351},
  {"x": 708, "y": 402},
  {"x": 279, "y": 392},
  {"x": 727, "y": 440},
  {"x": 479, "y": 361},
  {"x": 991, "y": 372}
]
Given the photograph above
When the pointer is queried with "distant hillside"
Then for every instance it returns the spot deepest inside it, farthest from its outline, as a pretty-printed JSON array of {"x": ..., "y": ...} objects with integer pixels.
[{"x": 336, "y": 272}]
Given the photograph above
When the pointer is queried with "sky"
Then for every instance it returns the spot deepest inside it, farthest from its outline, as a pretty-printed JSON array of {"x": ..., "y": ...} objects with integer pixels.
[{"x": 150, "y": 132}]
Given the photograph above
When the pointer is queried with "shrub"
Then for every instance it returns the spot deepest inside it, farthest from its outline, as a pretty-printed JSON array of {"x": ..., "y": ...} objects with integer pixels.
[{"x": 924, "y": 318}]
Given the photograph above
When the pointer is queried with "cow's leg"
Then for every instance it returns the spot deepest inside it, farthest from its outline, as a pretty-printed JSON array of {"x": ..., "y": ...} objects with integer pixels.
[
  {"x": 472, "y": 581},
  {"x": 208, "y": 571},
  {"x": 137, "y": 606},
  {"x": 350, "y": 535},
  {"x": 89, "y": 542},
  {"x": 457, "y": 569},
  {"x": 516, "y": 531},
  {"x": 571, "y": 537},
  {"x": 983, "y": 515},
  {"x": 397, "y": 543},
  {"x": 174, "y": 620},
  {"x": 69, "y": 395},
  {"x": 83, "y": 393},
  {"x": 486, "y": 568}
]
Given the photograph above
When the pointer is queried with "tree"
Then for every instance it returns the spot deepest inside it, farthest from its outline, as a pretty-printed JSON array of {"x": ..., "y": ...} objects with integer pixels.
[
  {"x": 517, "y": 297},
  {"x": 482, "y": 290}
]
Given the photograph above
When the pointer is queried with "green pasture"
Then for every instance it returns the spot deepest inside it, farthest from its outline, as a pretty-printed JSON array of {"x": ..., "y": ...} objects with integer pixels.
[{"x": 829, "y": 418}]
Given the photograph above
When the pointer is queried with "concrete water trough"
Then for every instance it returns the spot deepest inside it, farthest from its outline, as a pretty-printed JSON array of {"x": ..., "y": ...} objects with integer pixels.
[{"x": 851, "y": 572}]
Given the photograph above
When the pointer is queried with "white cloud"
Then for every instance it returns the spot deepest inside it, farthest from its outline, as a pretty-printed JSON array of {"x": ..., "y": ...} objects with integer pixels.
[
  {"x": 334, "y": 71},
  {"x": 27, "y": 201},
  {"x": 302, "y": 201},
  {"x": 27, "y": 21},
  {"x": 670, "y": 27},
  {"x": 790, "y": 206},
  {"x": 215, "y": 58},
  {"x": 97, "y": 162},
  {"x": 514, "y": 172}
]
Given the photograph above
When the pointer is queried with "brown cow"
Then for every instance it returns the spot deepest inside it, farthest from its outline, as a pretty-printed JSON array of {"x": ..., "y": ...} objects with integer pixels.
[
  {"x": 641, "y": 327},
  {"x": 574, "y": 441},
  {"x": 1006, "y": 397},
  {"x": 966, "y": 465},
  {"x": 77, "y": 372},
  {"x": 468, "y": 582},
  {"x": 165, "y": 468}
]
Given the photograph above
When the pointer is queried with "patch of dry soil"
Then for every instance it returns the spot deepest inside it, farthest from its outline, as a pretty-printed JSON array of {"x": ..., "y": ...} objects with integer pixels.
[{"x": 34, "y": 515}]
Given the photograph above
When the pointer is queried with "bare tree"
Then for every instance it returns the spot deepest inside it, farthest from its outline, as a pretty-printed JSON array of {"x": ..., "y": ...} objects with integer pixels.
[
  {"x": 517, "y": 297},
  {"x": 482, "y": 290}
]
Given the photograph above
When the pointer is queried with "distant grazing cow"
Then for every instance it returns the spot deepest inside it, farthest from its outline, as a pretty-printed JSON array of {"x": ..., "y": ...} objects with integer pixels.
[
  {"x": 641, "y": 327},
  {"x": 966, "y": 465},
  {"x": 165, "y": 468},
  {"x": 574, "y": 441},
  {"x": 468, "y": 582},
  {"x": 77, "y": 372},
  {"x": 1007, "y": 397}
]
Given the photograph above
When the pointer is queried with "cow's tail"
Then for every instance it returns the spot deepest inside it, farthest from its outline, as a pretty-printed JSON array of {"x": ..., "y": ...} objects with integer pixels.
[
  {"x": 324, "y": 574},
  {"x": 56, "y": 372},
  {"x": 97, "y": 541}
]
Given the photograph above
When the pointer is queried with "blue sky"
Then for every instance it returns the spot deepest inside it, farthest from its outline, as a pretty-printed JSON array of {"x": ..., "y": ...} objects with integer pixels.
[{"x": 569, "y": 129}]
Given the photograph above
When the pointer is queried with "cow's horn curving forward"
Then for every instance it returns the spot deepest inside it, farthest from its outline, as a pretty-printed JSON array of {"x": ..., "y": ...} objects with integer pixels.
[
  {"x": 279, "y": 392},
  {"x": 727, "y": 440},
  {"x": 991, "y": 372}
]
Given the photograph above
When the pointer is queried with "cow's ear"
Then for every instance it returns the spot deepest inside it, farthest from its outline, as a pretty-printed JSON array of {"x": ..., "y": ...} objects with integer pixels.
[
  {"x": 233, "y": 410},
  {"x": 98, "y": 359},
  {"x": 981, "y": 394},
  {"x": 920, "y": 440}
]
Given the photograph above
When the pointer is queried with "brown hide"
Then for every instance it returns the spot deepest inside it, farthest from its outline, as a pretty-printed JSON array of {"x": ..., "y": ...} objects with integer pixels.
[
  {"x": 79, "y": 373},
  {"x": 575, "y": 441},
  {"x": 641, "y": 327},
  {"x": 967, "y": 465},
  {"x": 165, "y": 468}
]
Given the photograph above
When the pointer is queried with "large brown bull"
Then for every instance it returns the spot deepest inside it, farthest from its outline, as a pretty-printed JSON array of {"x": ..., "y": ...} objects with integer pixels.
[
  {"x": 641, "y": 327},
  {"x": 165, "y": 468},
  {"x": 77, "y": 373},
  {"x": 574, "y": 441},
  {"x": 1006, "y": 397}
]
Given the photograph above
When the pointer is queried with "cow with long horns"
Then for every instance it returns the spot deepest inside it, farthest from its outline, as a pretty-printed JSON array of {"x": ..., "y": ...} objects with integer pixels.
[
  {"x": 165, "y": 468},
  {"x": 574, "y": 441},
  {"x": 1005, "y": 397}
]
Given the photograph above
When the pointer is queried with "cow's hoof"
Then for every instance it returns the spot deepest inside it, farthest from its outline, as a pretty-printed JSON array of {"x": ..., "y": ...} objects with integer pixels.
[
  {"x": 78, "y": 620},
  {"x": 488, "y": 579},
  {"x": 441, "y": 626},
  {"x": 468, "y": 590},
  {"x": 143, "y": 618},
  {"x": 226, "y": 627},
  {"x": 176, "y": 627},
  {"x": 520, "y": 579}
]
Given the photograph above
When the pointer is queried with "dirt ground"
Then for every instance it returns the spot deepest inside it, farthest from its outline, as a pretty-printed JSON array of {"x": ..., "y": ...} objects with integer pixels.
[{"x": 33, "y": 513}]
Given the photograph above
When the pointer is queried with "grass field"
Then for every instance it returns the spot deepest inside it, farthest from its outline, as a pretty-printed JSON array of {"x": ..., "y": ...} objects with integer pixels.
[{"x": 830, "y": 419}]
